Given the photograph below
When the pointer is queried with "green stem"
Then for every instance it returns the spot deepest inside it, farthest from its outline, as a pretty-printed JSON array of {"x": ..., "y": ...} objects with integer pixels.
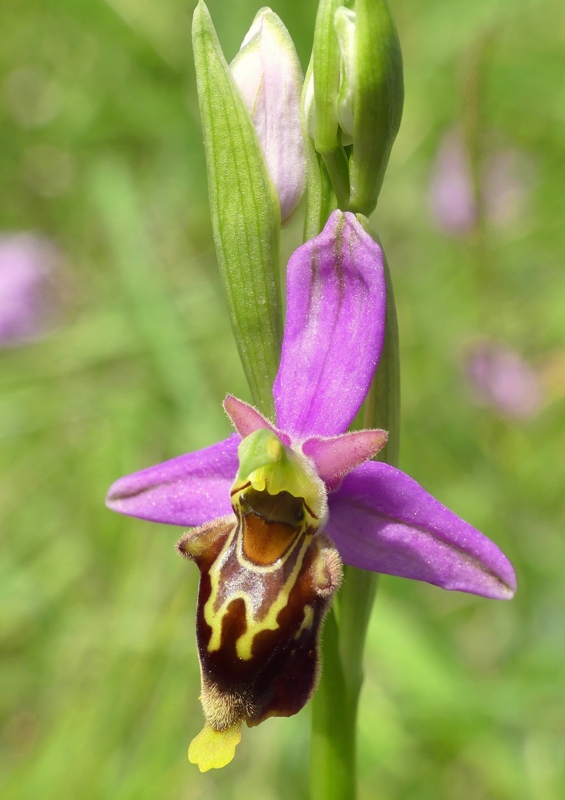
[
  {"x": 335, "y": 705},
  {"x": 321, "y": 198},
  {"x": 333, "y": 726}
]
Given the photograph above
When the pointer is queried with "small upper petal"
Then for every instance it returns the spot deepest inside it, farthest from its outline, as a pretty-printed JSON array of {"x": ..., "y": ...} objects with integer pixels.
[
  {"x": 246, "y": 419},
  {"x": 334, "y": 330},
  {"x": 382, "y": 520},
  {"x": 335, "y": 456},
  {"x": 188, "y": 490}
]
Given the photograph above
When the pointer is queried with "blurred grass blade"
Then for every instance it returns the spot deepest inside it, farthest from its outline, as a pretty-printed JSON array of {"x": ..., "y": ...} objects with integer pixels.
[
  {"x": 153, "y": 311},
  {"x": 245, "y": 213}
]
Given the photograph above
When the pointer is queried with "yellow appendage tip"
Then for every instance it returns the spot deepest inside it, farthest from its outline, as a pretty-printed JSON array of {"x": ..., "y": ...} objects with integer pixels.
[{"x": 213, "y": 749}]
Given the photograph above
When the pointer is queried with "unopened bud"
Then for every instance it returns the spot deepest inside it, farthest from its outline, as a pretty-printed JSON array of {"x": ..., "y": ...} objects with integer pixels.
[
  {"x": 371, "y": 95},
  {"x": 268, "y": 74},
  {"x": 354, "y": 113}
]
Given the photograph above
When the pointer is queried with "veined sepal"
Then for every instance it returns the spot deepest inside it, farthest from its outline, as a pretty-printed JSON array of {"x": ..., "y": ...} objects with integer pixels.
[{"x": 245, "y": 212}]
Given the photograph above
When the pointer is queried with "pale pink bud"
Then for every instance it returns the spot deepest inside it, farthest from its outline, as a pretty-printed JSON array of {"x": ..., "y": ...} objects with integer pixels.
[
  {"x": 268, "y": 74},
  {"x": 452, "y": 201}
]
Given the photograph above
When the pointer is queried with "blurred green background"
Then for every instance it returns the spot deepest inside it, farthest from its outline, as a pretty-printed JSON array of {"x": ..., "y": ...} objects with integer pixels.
[{"x": 100, "y": 150}]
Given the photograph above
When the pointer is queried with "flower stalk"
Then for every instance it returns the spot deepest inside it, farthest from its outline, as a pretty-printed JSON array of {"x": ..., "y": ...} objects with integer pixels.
[{"x": 335, "y": 705}]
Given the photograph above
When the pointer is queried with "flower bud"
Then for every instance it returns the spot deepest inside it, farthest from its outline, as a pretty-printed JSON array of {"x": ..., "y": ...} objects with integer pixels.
[
  {"x": 354, "y": 111},
  {"x": 371, "y": 95},
  {"x": 268, "y": 74}
]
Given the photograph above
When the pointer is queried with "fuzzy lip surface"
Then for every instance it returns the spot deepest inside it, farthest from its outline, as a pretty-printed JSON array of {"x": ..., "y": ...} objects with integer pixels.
[{"x": 379, "y": 518}]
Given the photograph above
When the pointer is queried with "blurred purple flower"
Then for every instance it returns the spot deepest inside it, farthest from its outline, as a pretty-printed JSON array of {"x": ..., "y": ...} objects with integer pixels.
[
  {"x": 378, "y": 518},
  {"x": 451, "y": 187},
  {"x": 500, "y": 378},
  {"x": 27, "y": 294},
  {"x": 505, "y": 180}
]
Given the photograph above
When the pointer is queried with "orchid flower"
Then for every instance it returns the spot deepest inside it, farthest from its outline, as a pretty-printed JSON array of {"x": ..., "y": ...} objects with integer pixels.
[{"x": 281, "y": 504}]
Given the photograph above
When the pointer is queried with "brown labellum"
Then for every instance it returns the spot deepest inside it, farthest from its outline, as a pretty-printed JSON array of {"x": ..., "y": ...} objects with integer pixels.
[{"x": 265, "y": 586}]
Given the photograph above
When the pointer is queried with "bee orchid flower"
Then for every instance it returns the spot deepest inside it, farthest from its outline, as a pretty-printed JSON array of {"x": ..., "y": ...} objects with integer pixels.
[{"x": 279, "y": 505}]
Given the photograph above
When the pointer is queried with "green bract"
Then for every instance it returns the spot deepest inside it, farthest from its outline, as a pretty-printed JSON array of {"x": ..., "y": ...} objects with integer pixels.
[
  {"x": 245, "y": 212},
  {"x": 320, "y": 198}
]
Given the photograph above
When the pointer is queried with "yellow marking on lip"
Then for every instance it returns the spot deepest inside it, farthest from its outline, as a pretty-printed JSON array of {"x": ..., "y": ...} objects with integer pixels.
[
  {"x": 244, "y": 644},
  {"x": 306, "y": 622},
  {"x": 214, "y": 617}
]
